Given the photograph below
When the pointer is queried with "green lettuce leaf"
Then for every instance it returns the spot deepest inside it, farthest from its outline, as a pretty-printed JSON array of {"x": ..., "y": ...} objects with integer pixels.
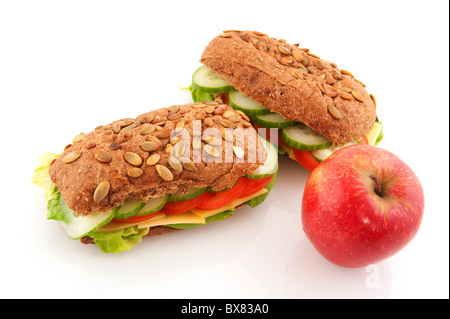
[
  {"x": 40, "y": 176},
  {"x": 220, "y": 216},
  {"x": 54, "y": 209},
  {"x": 119, "y": 240}
]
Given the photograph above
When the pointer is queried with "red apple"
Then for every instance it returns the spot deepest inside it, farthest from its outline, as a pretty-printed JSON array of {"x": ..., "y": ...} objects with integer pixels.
[{"x": 361, "y": 205}]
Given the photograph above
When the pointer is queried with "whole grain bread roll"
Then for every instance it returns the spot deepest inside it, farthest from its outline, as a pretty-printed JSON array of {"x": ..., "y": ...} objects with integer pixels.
[
  {"x": 165, "y": 151},
  {"x": 293, "y": 82}
]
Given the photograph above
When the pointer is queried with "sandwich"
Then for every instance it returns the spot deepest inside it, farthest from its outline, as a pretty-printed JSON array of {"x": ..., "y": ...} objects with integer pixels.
[
  {"x": 170, "y": 169},
  {"x": 311, "y": 107}
]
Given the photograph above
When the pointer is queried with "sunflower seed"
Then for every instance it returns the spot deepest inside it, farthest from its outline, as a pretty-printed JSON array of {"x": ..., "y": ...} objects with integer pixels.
[
  {"x": 150, "y": 146},
  {"x": 179, "y": 126},
  {"x": 334, "y": 112},
  {"x": 67, "y": 146},
  {"x": 320, "y": 87},
  {"x": 168, "y": 148},
  {"x": 175, "y": 164},
  {"x": 153, "y": 159},
  {"x": 126, "y": 122},
  {"x": 211, "y": 150},
  {"x": 135, "y": 172},
  {"x": 313, "y": 55},
  {"x": 225, "y": 35},
  {"x": 72, "y": 157},
  {"x": 346, "y": 89},
  {"x": 103, "y": 157},
  {"x": 337, "y": 76},
  {"x": 164, "y": 173},
  {"x": 90, "y": 145},
  {"x": 357, "y": 96},
  {"x": 101, "y": 191},
  {"x": 132, "y": 158},
  {"x": 244, "y": 116},
  {"x": 294, "y": 74},
  {"x": 262, "y": 46}
]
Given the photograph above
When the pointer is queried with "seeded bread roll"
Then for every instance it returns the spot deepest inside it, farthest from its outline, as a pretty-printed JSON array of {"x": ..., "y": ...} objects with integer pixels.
[
  {"x": 293, "y": 82},
  {"x": 158, "y": 153}
]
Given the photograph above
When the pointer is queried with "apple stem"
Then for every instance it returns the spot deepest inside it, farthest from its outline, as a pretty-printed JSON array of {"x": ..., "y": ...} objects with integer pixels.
[{"x": 377, "y": 189}]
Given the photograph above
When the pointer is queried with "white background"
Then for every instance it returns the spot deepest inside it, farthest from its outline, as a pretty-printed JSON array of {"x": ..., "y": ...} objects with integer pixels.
[{"x": 69, "y": 66}]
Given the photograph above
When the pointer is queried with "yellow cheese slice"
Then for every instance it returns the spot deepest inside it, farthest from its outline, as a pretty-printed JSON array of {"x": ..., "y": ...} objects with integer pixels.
[
  {"x": 183, "y": 218},
  {"x": 233, "y": 204},
  {"x": 113, "y": 226}
]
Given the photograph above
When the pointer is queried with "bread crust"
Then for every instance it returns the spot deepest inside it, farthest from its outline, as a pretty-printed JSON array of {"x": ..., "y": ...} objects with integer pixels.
[
  {"x": 293, "y": 82},
  {"x": 102, "y": 158}
]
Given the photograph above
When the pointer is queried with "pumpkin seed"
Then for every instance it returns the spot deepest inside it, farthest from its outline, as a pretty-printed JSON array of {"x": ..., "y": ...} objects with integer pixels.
[
  {"x": 90, "y": 145},
  {"x": 357, "y": 96},
  {"x": 103, "y": 157},
  {"x": 345, "y": 72},
  {"x": 78, "y": 138},
  {"x": 228, "y": 114},
  {"x": 346, "y": 89},
  {"x": 72, "y": 157},
  {"x": 132, "y": 158},
  {"x": 164, "y": 173},
  {"x": 297, "y": 55},
  {"x": 319, "y": 64},
  {"x": 150, "y": 146},
  {"x": 208, "y": 121},
  {"x": 153, "y": 159},
  {"x": 227, "y": 123},
  {"x": 373, "y": 99},
  {"x": 129, "y": 127},
  {"x": 187, "y": 163},
  {"x": 135, "y": 172},
  {"x": 238, "y": 151},
  {"x": 175, "y": 164},
  {"x": 334, "y": 112},
  {"x": 148, "y": 118},
  {"x": 179, "y": 148},
  {"x": 147, "y": 129},
  {"x": 337, "y": 76},
  {"x": 101, "y": 191},
  {"x": 116, "y": 127},
  {"x": 165, "y": 133},
  {"x": 284, "y": 50},
  {"x": 346, "y": 96},
  {"x": 126, "y": 122},
  {"x": 211, "y": 150},
  {"x": 225, "y": 35},
  {"x": 286, "y": 60},
  {"x": 210, "y": 109}
]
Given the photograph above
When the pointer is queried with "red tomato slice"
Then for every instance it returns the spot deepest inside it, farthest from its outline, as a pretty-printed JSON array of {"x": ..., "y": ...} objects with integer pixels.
[
  {"x": 135, "y": 219},
  {"x": 223, "y": 198},
  {"x": 184, "y": 206},
  {"x": 363, "y": 140},
  {"x": 305, "y": 159},
  {"x": 254, "y": 185},
  {"x": 224, "y": 97}
]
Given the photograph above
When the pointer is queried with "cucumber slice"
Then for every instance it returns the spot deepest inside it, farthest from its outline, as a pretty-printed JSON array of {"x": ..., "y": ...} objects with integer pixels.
[
  {"x": 322, "y": 154},
  {"x": 192, "y": 193},
  {"x": 199, "y": 96},
  {"x": 153, "y": 205},
  {"x": 270, "y": 166},
  {"x": 274, "y": 120},
  {"x": 208, "y": 81},
  {"x": 302, "y": 137},
  {"x": 129, "y": 209},
  {"x": 78, "y": 226},
  {"x": 240, "y": 101}
]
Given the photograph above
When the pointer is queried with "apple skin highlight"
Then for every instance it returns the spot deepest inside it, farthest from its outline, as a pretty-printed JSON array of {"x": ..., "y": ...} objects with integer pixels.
[{"x": 361, "y": 205}]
